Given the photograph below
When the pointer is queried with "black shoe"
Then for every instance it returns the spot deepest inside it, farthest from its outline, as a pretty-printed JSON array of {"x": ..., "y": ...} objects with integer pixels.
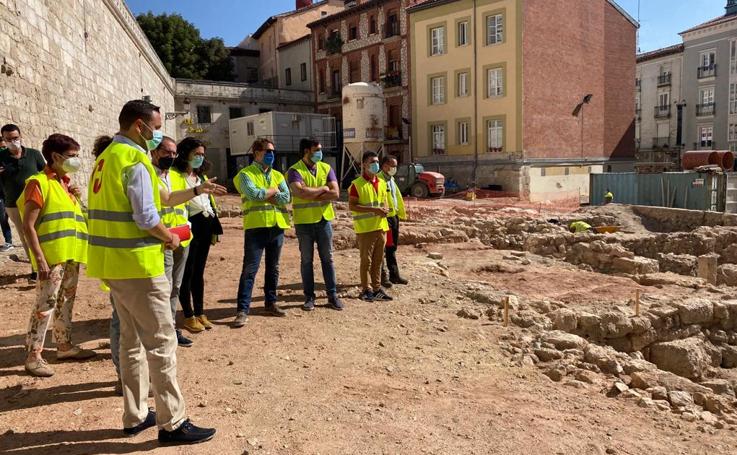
[
  {"x": 182, "y": 340},
  {"x": 335, "y": 303},
  {"x": 385, "y": 281},
  {"x": 33, "y": 277},
  {"x": 187, "y": 433},
  {"x": 309, "y": 304},
  {"x": 397, "y": 279},
  {"x": 367, "y": 296},
  {"x": 274, "y": 310},
  {"x": 149, "y": 422},
  {"x": 381, "y": 295}
]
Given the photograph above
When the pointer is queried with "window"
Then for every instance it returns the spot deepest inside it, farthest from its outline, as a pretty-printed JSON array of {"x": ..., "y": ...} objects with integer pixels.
[
  {"x": 321, "y": 80},
  {"x": 373, "y": 68},
  {"x": 733, "y": 57},
  {"x": 706, "y": 135},
  {"x": 393, "y": 58},
  {"x": 495, "y": 82},
  {"x": 463, "y": 133},
  {"x": 708, "y": 59},
  {"x": 463, "y": 33},
  {"x": 288, "y": 76},
  {"x": 706, "y": 95},
  {"x": 372, "y": 25},
  {"x": 354, "y": 68},
  {"x": 733, "y": 98},
  {"x": 353, "y": 32},
  {"x": 303, "y": 72},
  {"x": 495, "y": 135},
  {"x": 392, "y": 25},
  {"x": 733, "y": 137},
  {"x": 251, "y": 75},
  {"x": 438, "y": 139},
  {"x": 494, "y": 29},
  {"x": 437, "y": 41},
  {"x": 337, "y": 83},
  {"x": 438, "y": 90},
  {"x": 203, "y": 114},
  {"x": 320, "y": 41},
  {"x": 463, "y": 84},
  {"x": 663, "y": 100},
  {"x": 235, "y": 112},
  {"x": 249, "y": 129}
]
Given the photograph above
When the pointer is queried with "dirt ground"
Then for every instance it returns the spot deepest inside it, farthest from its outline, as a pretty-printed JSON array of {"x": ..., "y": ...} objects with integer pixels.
[{"x": 404, "y": 377}]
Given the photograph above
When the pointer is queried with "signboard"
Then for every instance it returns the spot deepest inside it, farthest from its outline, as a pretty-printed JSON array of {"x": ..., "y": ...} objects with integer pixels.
[{"x": 697, "y": 182}]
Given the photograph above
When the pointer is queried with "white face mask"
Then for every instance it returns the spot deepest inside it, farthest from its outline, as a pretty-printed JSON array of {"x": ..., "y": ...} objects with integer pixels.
[
  {"x": 71, "y": 165},
  {"x": 392, "y": 171},
  {"x": 15, "y": 145}
]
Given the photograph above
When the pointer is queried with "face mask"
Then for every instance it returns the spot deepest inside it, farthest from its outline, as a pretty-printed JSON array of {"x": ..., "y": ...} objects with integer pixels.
[
  {"x": 316, "y": 156},
  {"x": 157, "y": 137},
  {"x": 165, "y": 162},
  {"x": 71, "y": 165},
  {"x": 15, "y": 145},
  {"x": 197, "y": 161},
  {"x": 269, "y": 158},
  {"x": 392, "y": 171},
  {"x": 374, "y": 168}
]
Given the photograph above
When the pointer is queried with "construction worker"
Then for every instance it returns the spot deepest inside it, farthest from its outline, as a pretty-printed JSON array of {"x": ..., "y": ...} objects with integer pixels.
[
  {"x": 369, "y": 206},
  {"x": 264, "y": 195},
  {"x": 56, "y": 233},
  {"x": 608, "y": 197},
  {"x": 126, "y": 250},
  {"x": 580, "y": 226},
  {"x": 314, "y": 186},
  {"x": 396, "y": 213}
]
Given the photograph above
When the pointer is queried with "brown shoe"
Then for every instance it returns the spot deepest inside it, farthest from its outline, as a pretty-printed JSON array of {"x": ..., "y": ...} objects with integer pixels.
[
  {"x": 76, "y": 353},
  {"x": 39, "y": 368},
  {"x": 274, "y": 310},
  {"x": 205, "y": 322}
]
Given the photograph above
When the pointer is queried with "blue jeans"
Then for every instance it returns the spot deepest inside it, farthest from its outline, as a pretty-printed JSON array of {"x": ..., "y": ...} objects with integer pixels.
[
  {"x": 256, "y": 242},
  {"x": 308, "y": 235}
]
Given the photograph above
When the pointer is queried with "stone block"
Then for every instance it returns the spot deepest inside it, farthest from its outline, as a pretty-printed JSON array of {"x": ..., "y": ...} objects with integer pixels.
[
  {"x": 564, "y": 319},
  {"x": 727, "y": 274},
  {"x": 615, "y": 324},
  {"x": 634, "y": 266},
  {"x": 687, "y": 357},
  {"x": 707, "y": 268},
  {"x": 729, "y": 356},
  {"x": 563, "y": 340},
  {"x": 695, "y": 311}
]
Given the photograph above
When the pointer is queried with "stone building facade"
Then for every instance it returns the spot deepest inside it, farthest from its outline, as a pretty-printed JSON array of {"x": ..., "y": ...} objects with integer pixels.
[
  {"x": 366, "y": 43},
  {"x": 69, "y": 66},
  {"x": 295, "y": 64}
]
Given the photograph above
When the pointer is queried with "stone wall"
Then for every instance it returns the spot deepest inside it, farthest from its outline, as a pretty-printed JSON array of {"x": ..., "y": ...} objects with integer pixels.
[{"x": 72, "y": 65}]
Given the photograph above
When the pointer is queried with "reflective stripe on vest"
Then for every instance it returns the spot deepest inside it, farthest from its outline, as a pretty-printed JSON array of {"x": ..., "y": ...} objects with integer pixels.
[
  {"x": 368, "y": 222},
  {"x": 179, "y": 215},
  {"x": 63, "y": 234},
  {"x": 308, "y": 211},
  {"x": 260, "y": 214},
  {"x": 119, "y": 249}
]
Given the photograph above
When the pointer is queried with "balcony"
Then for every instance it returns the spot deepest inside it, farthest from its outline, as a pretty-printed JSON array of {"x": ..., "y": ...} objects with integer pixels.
[
  {"x": 707, "y": 71},
  {"x": 392, "y": 79},
  {"x": 664, "y": 80},
  {"x": 392, "y": 29},
  {"x": 662, "y": 111},
  {"x": 705, "y": 109},
  {"x": 661, "y": 142},
  {"x": 393, "y": 133}
]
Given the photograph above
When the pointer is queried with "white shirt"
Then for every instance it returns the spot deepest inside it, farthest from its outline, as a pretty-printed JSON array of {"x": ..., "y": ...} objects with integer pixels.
[{"x": 199, "y": 204}]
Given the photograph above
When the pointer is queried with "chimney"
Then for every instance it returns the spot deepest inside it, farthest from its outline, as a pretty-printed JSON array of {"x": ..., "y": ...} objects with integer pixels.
[
  {"x": 303, "y": 4},
  {"x": 731, "y": 7}
]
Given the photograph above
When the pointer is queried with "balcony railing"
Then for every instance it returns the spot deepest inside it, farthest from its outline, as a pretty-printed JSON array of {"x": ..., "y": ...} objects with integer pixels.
[
  {"x": 392, "y": 133},
  {"x": 707, "y": 71},
  {"x": 392, "y": 29},
  {"x": 705, "y": 109},
  {"x": 664, "y": 80},
  {"x": 661, "y": 142},
  {"x": 392, "y": 79},
  {"x": 662, "y": 111}
]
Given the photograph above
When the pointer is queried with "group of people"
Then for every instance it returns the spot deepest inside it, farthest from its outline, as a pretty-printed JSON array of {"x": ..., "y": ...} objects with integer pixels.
[{"x": 146, "y": 231}]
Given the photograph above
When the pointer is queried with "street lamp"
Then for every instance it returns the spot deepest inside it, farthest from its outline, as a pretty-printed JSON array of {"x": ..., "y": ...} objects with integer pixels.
[{"x": 578, "y": 111}]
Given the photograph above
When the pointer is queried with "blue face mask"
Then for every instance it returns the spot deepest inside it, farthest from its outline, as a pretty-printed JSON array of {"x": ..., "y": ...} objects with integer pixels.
[
  {"x": 316, "y": 156},
  {"x": 374, "y": 168},
  {"x": 197, "y": 161},
  {"x": 157, "y": 137},
  {"x": 268, "y": 158}
]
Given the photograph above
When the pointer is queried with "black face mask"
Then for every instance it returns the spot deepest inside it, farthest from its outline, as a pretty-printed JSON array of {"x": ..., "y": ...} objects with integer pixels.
[{"x": 165, "y": 162}]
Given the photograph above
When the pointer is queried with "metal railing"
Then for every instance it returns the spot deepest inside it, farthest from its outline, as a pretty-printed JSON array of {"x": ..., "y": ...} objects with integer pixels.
[
  {"x": 664, "y": 80},
  {"x": 391, "y": 29},
  {"x": 707, "y": 71},
  {"x": 661, "y": 142},
  {"x": 662, "y": 111},
  {"x": 392, "y": 79},
  {"x": 705, "y": 109}
]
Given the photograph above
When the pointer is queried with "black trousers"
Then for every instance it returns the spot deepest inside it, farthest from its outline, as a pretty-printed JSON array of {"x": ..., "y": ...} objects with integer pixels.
[
  {"x": 192, "y": 290},
  {"x": 390, "y": 252}
]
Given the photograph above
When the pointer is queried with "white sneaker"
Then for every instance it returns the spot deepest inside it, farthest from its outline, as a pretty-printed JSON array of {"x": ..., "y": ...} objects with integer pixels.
[{"x": 6, "y": 247}]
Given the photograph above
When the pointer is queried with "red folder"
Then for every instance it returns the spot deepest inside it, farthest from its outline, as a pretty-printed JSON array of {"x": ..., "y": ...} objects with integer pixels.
[
  {"x": 389, "y": 239},
  {"x": 183, "y": 232}
]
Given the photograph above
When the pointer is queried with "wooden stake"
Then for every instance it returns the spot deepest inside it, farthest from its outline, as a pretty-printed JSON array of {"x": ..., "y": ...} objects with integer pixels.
[
  {"x": 637, "y": 302},
  {"x": 506, "y": 311}
]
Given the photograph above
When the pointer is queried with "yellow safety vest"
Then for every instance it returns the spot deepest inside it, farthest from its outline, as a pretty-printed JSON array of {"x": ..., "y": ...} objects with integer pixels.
[
  {"x": 399, "y": 209},
  {"x": 118, "y": 248},
  {"x": 260, "y": 214},
  {"x": 305, "y": 210},
  {"x": 365, "y": 221},
  {"x": 61, "y": 226},
  {"x": 580, "y": 226},
  {"x": 178, "y": 216},
  {"x": 609, "y": 195}
]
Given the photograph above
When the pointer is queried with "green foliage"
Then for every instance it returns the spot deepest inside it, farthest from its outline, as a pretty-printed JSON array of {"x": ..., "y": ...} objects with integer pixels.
[{"x": 183, "y": 51}]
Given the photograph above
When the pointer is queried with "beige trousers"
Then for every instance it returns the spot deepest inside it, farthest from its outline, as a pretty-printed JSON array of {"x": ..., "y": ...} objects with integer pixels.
[
  {"x": 15, "y": 218},
  {"x": 371, "y": 249},
  {"x": 148, "y": 349}
]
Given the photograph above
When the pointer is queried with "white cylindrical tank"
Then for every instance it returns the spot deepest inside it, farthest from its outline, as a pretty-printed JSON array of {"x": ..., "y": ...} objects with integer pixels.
[{"x": 363, "y": 118}]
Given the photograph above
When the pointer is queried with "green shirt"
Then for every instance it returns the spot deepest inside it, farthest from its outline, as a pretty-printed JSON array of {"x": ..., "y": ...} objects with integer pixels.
[{"x": 16, "y": 171}]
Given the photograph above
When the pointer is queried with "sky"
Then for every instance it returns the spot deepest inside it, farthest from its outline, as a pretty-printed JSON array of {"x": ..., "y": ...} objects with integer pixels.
[{"x": 232, "y": 20}]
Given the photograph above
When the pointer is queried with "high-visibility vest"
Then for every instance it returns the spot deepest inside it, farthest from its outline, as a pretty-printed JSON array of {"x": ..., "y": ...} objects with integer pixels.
[
  {"x": 61, "y": 227},
  {"x": 260, "y": 214},
  {"x": 179, "y": 215},
  {"x": 609, "y": 195},
  {"x": 399, "y": 209},
  {"x": 305, "y": 210},
  {"x": 580, "y": 226},
  {"x": 367, "y": 196},
  {"x": 118, "y": 248}
]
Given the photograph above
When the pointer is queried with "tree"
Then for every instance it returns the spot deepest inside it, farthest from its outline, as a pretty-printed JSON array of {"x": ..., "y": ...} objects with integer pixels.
[{"x": 183, "y": 51}]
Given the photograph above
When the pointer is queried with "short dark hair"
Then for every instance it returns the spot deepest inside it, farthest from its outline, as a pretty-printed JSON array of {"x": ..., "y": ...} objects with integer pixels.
[
  {"x": 101, "y": 143},
  {"x": 167, "y": 138},
  {"x": 307, "y": 143},
  {"x": 367, "y": 155},
  {"x": 9, "y": 128},
  {"x": 260, "y": 144},
  {"x": 388, "y": 158},
  {"x": 57, "y": 143},
  {"x": 184, "y": 148},
  {"x": 134, "y": 110}
]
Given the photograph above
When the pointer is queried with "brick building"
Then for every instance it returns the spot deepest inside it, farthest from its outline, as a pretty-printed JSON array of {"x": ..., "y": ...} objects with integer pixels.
[
  {"x": 495, "y": 83},
  {"x": 367, "y": 42}
]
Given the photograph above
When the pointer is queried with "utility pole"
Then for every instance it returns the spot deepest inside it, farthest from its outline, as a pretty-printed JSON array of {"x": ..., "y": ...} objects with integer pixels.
[{"x": 475, "y": 80}]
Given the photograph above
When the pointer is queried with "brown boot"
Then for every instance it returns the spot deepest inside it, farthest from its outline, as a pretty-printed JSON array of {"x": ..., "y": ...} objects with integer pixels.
[
  {"x": 395, "y": 277},
  {"x": 385, "y": 281}
]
